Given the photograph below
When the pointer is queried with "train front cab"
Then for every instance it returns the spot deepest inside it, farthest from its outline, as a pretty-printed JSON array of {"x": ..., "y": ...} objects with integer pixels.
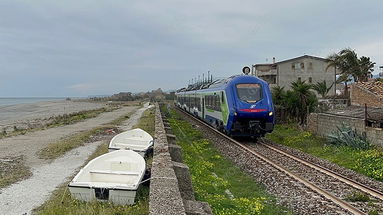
[{"x": 254, "y": 112}]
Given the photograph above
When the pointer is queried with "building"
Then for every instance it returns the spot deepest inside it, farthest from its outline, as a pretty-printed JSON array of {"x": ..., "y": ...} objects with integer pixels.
[
  {"x": 306, "y": 68},
  {"x": 370, "y": 93}
]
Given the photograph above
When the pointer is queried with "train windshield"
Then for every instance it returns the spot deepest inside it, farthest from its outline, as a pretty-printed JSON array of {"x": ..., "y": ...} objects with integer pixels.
[{"x": 249, "y": 92}]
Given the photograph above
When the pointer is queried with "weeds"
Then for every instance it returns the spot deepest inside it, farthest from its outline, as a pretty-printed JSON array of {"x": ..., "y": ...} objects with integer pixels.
[{"x": 357, "y": 197}]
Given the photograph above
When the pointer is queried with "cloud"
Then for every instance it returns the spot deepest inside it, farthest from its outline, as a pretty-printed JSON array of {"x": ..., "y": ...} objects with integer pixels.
[{"x": 99, "y": 47}]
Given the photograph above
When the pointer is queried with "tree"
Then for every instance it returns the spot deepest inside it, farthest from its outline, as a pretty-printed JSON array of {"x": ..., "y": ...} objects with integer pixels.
[
  {"x": 321, "y": 88},
  {"x": 349, "y": 64},
  {"x": 346, "y": 61},
  {"x": 366, "y": 67},
  {"x": 278, "y": 95},
  {"x": 306, "y": 99}
]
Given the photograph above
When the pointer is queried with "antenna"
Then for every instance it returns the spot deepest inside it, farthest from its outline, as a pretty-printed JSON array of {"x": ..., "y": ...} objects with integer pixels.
[{"x": 208, "y": 76}]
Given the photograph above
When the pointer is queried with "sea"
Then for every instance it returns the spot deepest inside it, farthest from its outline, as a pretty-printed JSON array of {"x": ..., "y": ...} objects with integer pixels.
[{"x": 26, "y": 100}]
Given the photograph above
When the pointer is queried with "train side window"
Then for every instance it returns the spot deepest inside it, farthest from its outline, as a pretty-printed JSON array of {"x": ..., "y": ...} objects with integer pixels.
[{"x": 222, "y": 98}]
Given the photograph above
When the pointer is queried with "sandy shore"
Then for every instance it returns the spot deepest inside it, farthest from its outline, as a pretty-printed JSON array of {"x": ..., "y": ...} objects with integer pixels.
[
  {"x": 23, "y": 196},
  {"x": 24, "y": 115}
]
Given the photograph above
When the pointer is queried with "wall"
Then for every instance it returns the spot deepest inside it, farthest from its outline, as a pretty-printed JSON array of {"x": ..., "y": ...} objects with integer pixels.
[
  {"x": 360, "y": 96},
  {"x": 171, "y": 190},
  {"x": 324, "y": 124}
]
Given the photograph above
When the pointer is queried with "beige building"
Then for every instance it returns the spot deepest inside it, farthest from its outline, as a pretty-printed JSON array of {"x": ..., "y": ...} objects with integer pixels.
[{"x": 306, "y": 68}]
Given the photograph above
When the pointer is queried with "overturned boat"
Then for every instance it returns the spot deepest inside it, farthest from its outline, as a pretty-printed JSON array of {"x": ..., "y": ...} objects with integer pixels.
[
  {"x": 137, "y": 140},
  {"x": 114, "y": 177}
]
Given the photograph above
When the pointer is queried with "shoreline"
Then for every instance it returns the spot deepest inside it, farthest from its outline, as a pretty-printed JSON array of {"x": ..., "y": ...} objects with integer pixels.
[{"x": 30, "y": 115}]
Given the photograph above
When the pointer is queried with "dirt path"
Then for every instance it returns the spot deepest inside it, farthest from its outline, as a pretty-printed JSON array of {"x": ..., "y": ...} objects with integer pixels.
[
  {"x": 29, "y": 144},
  {"x": 23, "y": 197}
]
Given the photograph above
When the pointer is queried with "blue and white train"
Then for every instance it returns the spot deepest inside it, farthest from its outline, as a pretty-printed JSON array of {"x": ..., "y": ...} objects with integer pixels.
[{"x": 238, "y": 106}]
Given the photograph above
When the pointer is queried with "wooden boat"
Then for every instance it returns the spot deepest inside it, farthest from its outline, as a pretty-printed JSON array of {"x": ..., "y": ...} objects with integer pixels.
[
  {"x": 137, "y": 140},
  {"x": 114, "y": 177}
]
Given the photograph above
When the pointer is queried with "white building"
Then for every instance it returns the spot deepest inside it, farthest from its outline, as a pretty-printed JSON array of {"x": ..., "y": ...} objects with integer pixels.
[{"x": 306, "y": 68}]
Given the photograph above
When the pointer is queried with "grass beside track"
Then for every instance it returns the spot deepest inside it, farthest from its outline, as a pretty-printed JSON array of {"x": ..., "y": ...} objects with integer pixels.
[
  {"x": 217, "y": 180},
  {"x": 61, "y": 201},
  {"x": 368, "y": 162}
]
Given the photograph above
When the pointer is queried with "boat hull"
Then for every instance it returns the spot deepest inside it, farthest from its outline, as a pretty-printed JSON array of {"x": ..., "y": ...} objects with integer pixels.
[{"x": 117, "y": 197}]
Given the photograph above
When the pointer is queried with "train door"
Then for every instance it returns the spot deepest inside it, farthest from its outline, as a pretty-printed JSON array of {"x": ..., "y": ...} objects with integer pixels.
[{"x": 203, "y": 107}]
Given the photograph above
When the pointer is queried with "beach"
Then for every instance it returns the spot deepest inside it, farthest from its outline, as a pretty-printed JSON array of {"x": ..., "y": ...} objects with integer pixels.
[{"x": 31, "y": 115}]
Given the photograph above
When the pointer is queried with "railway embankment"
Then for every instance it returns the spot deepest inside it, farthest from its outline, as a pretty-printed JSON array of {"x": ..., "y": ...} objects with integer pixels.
[{"x": 171, "y": 191}]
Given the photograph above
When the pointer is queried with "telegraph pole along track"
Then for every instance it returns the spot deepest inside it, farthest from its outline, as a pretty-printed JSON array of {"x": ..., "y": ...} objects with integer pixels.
[{"x": 304, "y": 186}]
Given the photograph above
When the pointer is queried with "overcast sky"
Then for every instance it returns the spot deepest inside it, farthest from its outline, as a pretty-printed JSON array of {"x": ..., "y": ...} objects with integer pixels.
[{"x": 93, "y": 47}]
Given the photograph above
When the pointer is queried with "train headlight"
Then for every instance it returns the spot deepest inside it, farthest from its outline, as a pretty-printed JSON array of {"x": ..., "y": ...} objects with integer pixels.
[
  {"x": 235, "y": 113},
  {"x": 270, "y": 113}
]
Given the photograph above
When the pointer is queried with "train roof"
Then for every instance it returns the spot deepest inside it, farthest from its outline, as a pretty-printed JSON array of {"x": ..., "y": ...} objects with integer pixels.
[{"x": 218, "y": 83}]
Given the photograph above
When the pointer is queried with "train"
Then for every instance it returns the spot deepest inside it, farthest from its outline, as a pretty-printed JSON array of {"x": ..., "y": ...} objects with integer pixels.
[{"x": 239, "y": 106}]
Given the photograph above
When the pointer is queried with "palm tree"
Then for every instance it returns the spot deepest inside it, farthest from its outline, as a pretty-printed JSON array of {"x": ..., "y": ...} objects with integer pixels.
[
  {"x": 346, "y": 61},
  {"x": 366, "y": 67},
  {"x": 303, "y": 93},
  {"x": 321, "y": 88},
  {"x": 278, "y": 95}
]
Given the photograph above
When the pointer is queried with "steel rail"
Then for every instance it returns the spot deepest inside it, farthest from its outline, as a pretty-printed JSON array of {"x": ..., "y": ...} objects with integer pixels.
[
  {"x": 343, "y": 204},
  {"x": 373, "y": 192}
]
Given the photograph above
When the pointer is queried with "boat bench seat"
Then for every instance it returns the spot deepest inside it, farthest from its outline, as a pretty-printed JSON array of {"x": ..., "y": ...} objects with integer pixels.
[{"x": 113, "y": 172}]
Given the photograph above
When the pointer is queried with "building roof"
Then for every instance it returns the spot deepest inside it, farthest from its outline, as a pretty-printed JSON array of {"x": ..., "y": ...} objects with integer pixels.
[
  {"x": 292, "y": 59},
  {"x": 304, "y": 56},
  {"x": 374, "y": 87}
]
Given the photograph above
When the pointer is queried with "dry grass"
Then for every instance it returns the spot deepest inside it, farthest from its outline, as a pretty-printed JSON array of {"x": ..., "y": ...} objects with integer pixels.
[
  {"x": 62, "y": 146},
  {"x": 146, "y": 122},
  {"x": 12, "y": 169}
]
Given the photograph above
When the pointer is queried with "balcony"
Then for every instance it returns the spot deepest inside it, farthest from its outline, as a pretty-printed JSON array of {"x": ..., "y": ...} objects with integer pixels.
[{"x": 266, "y": 72}]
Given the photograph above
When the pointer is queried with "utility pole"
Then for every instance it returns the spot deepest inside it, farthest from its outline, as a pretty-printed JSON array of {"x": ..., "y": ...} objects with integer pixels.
[{"x": 334, "y": 80}]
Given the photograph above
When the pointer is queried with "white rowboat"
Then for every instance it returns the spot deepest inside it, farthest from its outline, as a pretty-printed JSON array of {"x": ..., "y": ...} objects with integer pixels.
[
  {"x": 114, "y": 177},
  {"x": 137, "y": 140}
]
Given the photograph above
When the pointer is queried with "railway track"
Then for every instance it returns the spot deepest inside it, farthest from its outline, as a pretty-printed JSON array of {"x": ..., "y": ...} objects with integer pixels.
[{"x": 321, "y": 180}]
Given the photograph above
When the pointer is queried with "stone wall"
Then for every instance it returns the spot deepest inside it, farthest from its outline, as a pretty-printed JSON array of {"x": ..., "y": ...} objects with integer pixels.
[
  {"x": 375, "y": 135},
  {"x": 171, "y": 190},
  {"x": 360, "y": 96},
  {"x": 323, "y": 124}
]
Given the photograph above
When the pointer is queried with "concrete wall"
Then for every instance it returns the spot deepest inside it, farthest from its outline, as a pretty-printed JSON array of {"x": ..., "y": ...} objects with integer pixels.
[
  {"x": 324, "y": 124},
  {"x": 360, "y": 96},
  {"x": 164, "y": 196},
  {"x": 171, "y": 190}
]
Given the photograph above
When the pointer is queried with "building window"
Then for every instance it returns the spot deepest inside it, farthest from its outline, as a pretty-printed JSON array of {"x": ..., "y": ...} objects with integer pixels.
[
  {"x": 299, "y": 79},
  {"x": 311, "y": 65},
  {"x": 302, "y": 65},
  {"x": 310, "y": 80},
  {"x": 292, "y": 66}
]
